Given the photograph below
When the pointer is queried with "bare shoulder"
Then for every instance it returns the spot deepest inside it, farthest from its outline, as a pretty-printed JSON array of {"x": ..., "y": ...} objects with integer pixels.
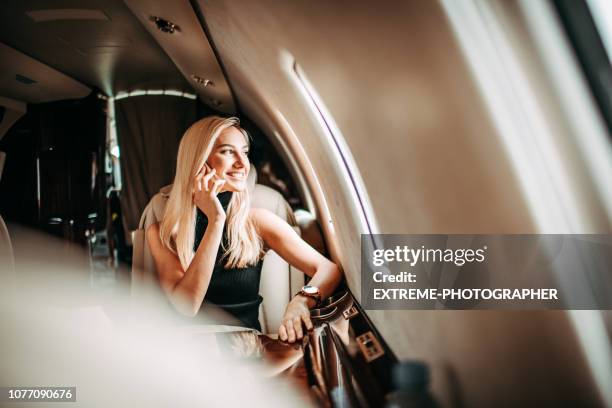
[
  {"x": 264, "y": 219},
  {"x": 260, "y": 214},
  {"x": 152, "y": 232},
  {"x": 153, "y": 227},
  {"x": 269, "y": 225}
]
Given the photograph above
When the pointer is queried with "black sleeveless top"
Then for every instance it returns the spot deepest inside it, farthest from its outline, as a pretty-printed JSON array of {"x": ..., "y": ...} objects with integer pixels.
[{"x": 235, "y": 290}]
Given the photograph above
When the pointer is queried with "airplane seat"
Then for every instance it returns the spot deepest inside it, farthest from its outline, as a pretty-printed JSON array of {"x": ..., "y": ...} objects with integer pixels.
[
  {"x": 7, "y": 259},
  {"x": 310, "y": 230},
  {"x": 279, "y": 281}
]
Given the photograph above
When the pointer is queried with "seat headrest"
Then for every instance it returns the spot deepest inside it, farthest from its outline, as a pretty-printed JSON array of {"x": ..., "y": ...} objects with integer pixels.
[{"x": 251, "y": 181}]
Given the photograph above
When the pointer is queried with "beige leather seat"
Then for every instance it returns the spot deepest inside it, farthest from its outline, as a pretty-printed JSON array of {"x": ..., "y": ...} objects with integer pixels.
[
  {"x": 279, "y": 281},
  {"x": 7, "y": 261}
]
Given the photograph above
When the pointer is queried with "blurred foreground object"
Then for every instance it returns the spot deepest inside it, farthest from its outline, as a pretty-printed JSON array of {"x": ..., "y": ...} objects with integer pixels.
[{"x": 59, "y": 331}]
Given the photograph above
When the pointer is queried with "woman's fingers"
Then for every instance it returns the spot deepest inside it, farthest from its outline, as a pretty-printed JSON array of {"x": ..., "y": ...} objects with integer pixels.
[
  {"x": 297, "y": 324},
  {"x": 197, "y": 183},
  {"x": 290, "y": 331},
  {"x": 307, "y": 321},
  {"x": 282, "y": 332},
  {"x": 199, "y": 179},
  {"x": 201, "y": 169},
  {"x": 216, "y": 188},
  {"x": 207, "y": 178}
]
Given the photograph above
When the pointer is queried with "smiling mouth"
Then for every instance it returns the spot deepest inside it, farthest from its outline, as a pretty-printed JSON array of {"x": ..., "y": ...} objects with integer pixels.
[{"x": 238, "y": 175}]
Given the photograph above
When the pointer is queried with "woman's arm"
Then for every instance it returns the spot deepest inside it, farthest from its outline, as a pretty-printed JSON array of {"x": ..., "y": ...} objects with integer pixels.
[
  {"x": 326, "y": 275},
  {"x": 186, "y": 289}
]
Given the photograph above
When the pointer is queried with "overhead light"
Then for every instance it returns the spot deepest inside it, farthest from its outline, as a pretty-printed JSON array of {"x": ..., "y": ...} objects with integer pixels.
[
  {"x": 164, "y": 25},
  {"x": 140, "y": 92},
  {"x": 41, "y": 16},
  {"x": 202, "y": 81}
]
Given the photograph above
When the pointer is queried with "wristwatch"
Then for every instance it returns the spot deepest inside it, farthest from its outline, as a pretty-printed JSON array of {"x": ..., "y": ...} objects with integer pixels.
[{"x": 311, "y": 292}]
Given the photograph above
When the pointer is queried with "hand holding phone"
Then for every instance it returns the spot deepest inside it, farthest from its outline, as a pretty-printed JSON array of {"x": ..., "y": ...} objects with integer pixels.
[{"x": 206, "y": 186}]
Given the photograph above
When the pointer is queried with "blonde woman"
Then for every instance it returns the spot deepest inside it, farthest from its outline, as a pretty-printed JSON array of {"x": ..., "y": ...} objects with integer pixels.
[{"x": 209, "y": 244}]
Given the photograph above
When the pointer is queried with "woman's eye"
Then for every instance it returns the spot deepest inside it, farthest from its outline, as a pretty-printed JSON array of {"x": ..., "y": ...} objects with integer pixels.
[{"x": 227, "y": 152}]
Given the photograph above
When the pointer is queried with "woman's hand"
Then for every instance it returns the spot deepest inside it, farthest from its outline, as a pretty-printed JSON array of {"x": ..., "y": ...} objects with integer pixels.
[
  {"x": 291, "y": 326},
  {"x": 206, "y": 186}
]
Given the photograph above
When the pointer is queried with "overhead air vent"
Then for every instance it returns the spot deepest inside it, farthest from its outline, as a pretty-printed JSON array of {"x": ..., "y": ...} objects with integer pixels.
[
  {"x": 202, "y": 81},
  {"x": 41, "y": 16},
  {"x": 24, "y": 79},
  {"x": 165, "y": 26}
]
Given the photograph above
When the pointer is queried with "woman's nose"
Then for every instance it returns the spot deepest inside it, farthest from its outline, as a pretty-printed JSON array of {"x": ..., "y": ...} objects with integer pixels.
[{"x": 241, "y": 160}]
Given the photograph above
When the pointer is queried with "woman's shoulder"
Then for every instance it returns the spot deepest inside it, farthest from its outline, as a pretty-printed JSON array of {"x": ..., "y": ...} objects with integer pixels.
[
  {"x": 256, "y": 212},
  {"x": 158, "y": 205},
  {"x": 268, "y": 223},
  {"x": 262, "y": 216},
  {"x": 153, "y": 211},
  {"x": 152, "y": 237},
  {"x": 152, "y": 229}
]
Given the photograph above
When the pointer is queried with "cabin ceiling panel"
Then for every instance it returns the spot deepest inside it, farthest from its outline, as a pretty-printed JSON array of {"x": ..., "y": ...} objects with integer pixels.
[
  {"x": 188, "y": 47},
  {"x": 113, "y": 54},
  {"x": 28, "y": 80}
]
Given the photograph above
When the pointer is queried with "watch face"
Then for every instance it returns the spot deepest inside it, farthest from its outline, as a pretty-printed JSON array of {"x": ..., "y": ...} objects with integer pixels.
[{"x": 311, "y": 290}]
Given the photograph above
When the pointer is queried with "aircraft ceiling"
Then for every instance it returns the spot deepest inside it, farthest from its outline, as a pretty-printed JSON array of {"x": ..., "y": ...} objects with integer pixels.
[{"x": 101, "y": 44}]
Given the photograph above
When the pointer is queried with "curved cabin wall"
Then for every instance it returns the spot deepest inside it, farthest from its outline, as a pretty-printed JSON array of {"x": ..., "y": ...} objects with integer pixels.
[{"x": 431, "y": 159}]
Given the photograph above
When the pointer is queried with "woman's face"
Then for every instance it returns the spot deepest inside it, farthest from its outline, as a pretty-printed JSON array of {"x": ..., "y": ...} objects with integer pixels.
[{"x": 229, "y": 158}]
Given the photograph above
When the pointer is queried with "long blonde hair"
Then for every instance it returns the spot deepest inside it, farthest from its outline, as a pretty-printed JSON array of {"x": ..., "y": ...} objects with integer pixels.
[{"x": 177, "y": 227}]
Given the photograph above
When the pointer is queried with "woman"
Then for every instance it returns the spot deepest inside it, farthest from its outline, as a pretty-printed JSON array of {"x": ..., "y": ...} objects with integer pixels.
[{"x": 209, "y": 244}]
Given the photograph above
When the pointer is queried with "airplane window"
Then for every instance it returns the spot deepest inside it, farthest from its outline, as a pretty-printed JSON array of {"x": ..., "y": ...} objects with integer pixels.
[{"x": 340, "y": 148}]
